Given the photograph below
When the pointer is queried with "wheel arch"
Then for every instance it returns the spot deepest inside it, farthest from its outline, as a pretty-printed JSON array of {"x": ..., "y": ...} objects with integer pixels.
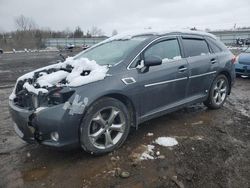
[
  {"x": 122, "y": 98},
  {"x": 128, "y": 103},
  {"x": 227, "y": 74}
]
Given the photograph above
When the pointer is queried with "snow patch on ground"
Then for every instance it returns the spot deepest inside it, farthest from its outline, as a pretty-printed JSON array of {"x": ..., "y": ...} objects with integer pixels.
[
  {"x": 148, "y": 153},
  {"x": 150, "y": 134},
  {"x": 166, "y": 141}
]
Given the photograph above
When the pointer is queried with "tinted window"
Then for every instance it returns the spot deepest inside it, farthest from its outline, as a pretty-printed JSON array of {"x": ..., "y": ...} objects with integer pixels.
[
  {"x": 195, "y": 47},
  {"x": 214, "y": 46},
  {"x": 166, "y": 50},
  {"x": 219, "y": 44},
  {"x": 112, "y": 52}
]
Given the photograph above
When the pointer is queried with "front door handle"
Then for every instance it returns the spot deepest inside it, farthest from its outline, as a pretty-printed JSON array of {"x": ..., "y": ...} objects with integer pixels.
[
  {"x": 213, "y": 61},
  {"x": 182, "y": 69}
]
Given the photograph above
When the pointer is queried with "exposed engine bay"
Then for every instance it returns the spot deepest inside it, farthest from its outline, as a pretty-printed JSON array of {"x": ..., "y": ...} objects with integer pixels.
[{"x": 47, "y": 86}]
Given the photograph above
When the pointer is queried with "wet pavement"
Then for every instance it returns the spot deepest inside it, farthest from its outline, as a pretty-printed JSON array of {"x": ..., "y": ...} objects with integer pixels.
[{"x": 213, "y": 146}]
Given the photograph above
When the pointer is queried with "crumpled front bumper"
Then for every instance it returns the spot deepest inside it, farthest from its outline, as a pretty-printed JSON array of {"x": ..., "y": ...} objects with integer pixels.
[
  {"x": 21, "y": 118},
  {"x": 37, "y": 125}
]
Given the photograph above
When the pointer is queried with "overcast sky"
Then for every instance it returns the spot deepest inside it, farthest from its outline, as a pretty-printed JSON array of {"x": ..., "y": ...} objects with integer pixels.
[{"x": 125, "y": 15}]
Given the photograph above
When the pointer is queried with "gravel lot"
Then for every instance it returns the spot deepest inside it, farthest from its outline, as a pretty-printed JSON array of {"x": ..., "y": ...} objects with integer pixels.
[{"x": 213, "y": 146}]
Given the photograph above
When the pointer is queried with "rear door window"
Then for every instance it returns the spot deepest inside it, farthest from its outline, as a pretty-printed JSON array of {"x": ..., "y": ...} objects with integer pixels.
[
  {"x": 166, "y": 50},
  {"x": 195, "y": 47}
]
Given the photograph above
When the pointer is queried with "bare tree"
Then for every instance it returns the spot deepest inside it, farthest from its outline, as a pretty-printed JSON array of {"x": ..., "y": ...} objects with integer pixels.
[
  {"x": 24, "y": 23},
  {"x": 78, "y": 33},
  {"x": 67, "y": 32},
  {"x": 114, "y": 32},
  {"x": 96, "y": 32}
]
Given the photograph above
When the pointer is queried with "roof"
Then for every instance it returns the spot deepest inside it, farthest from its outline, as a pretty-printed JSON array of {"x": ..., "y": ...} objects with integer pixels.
[{"x": 131, "y": 34}]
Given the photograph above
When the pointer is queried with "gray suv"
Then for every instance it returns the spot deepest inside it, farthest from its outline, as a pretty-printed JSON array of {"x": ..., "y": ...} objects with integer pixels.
[{"x": 93, "y": 99}]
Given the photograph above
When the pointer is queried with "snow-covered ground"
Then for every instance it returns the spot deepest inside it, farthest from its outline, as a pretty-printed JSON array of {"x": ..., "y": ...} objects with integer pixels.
[
  {"x": 166, "y": 141},
  {"x": 150, "y": 152}
]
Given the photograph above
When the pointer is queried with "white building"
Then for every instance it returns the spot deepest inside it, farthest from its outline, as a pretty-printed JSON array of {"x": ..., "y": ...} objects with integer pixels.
[{"x": 229, "y": 37}]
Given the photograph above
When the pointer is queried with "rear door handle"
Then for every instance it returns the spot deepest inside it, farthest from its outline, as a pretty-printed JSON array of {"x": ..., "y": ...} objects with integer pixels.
[
  {"x": 213, "y": 61},
  {"x": 182, "y": 69}
]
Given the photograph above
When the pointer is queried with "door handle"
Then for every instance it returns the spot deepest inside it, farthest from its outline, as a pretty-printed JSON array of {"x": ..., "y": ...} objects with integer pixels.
[
  {"x": 182, "y": 69},
  {"x": 213, "y": 61}
]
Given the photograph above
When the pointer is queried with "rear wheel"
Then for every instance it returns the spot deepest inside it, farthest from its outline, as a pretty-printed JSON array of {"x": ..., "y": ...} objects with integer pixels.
[
  {"x": 218, "y": 92},
  {"x": 105, "y": 126}
]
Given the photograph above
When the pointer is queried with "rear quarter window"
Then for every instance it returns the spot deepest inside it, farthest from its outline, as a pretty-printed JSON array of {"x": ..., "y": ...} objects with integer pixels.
[
  {"x": 214, "y": 47},
  {"x": 217, "y": 44},
  {"x": 195, "y": 47}
]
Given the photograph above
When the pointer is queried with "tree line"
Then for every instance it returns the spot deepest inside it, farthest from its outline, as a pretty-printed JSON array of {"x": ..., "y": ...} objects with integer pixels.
[{"x": 29, "y": 35}]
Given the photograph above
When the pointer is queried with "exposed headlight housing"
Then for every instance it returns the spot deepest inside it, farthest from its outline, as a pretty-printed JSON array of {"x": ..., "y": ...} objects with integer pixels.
[
  {"x": 59, "y": 96},
  {"x": 35, "y": 101}
]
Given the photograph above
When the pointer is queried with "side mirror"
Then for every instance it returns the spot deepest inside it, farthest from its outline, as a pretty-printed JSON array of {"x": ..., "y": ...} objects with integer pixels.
[{"x": 152, "y": 61}]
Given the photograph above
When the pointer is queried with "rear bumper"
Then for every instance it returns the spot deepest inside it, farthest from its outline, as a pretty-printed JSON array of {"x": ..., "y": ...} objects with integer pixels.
[
  {"x": 37, "y": 126},
  {"x": 242, "y": 69}
]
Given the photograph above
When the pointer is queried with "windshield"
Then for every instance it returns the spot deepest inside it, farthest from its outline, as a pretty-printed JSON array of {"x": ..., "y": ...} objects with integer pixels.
[{"x": 112, "y": 52}]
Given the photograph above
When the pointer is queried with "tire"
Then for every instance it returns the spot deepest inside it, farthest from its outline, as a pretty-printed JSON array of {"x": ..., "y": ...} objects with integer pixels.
[
  {"x": 218, "y": 92},
  {"x": 105, "y": 126}
]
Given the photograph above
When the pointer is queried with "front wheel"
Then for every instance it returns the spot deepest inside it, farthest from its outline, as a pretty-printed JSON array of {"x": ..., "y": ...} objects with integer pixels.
[
  {"x": 105, "y": 126},
  {"x": 218, "y": 92}
]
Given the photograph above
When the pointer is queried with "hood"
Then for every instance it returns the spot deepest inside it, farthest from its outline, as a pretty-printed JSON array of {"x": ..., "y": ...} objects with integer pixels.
[
  {"x": 244, "y": 58},
  {"x": 72, "y": 72}
]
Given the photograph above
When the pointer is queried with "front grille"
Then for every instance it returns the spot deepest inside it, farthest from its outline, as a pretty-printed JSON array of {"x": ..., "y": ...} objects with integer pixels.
[{"x": 23, "y": 99}]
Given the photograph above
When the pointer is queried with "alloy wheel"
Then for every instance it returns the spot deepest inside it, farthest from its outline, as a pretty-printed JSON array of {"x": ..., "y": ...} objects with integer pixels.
[
  {"x": 220, "y": 91},
  {"x": 107, "y": 127}
]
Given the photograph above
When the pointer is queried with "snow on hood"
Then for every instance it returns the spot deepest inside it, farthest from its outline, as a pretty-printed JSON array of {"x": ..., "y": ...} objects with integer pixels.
[
  {"x": 97, "y": 72},
  {"x": 74, "y": 78}
]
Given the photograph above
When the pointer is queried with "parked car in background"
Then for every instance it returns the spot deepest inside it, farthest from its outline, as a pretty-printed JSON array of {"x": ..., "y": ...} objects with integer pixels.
[
  {"x": 1, "y": 51},
  {"x": 85, "y": 46},
  {"x": 93, "y": 99},
  {"x": 242, "y": 66},
  {"x": 247, "y": 42},
  {"x": 70, "y": 47}
]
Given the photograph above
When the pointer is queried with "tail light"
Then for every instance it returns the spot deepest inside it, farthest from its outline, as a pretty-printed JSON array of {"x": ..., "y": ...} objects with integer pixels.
[{"x": 234, "y": 59}]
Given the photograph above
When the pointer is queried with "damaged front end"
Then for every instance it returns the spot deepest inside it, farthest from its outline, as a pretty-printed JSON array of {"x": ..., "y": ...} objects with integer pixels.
[
  {"x": 31, "y": 100},
  {"x": 44, "y": 105},
  {"x": 40, "y": 116}
]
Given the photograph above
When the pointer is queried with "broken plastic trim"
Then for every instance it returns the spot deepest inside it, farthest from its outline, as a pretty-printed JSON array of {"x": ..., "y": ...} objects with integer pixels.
[{"x": 77, "y": 106}]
